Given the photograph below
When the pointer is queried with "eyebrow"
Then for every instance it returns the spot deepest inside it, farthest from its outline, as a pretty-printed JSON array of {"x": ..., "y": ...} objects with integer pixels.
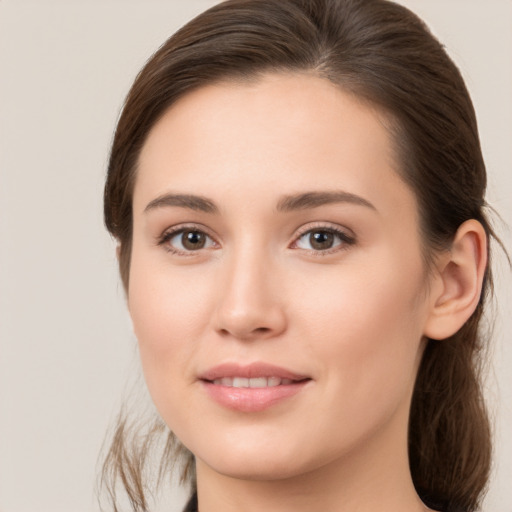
[
  {"x": 315, "y": 199},
  {"x": 302, "y": 201},
  {"x": 189, "y": 201}
]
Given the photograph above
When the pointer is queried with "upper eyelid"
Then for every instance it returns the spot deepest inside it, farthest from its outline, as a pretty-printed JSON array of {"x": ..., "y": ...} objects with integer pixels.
[
  {"x": 326, "y": 226},
  {"x": 187, "y": 225}
]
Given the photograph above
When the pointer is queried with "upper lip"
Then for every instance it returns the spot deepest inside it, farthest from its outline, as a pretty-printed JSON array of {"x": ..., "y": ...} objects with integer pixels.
[{"x": 252, "y": 370}]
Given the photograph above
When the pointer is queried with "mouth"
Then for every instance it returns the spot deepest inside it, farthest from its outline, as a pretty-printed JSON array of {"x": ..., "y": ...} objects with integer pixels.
[
  {"x": 255, "y": 382},
  {"x": 251, "y": 388}
]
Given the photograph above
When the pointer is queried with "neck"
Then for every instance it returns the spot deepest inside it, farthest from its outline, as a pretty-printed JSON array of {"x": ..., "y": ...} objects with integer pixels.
[{"x": 373, "y": 476}]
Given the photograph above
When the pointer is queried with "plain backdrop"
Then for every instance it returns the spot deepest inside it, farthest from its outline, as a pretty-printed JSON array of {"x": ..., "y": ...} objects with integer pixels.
[{"x": 66, "y": 346}]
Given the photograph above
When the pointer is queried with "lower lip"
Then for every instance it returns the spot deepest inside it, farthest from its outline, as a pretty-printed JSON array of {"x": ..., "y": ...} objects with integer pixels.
[{"x": 252, "y": 399}]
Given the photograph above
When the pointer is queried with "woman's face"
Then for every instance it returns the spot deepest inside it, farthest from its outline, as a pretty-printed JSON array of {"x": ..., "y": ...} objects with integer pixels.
[{"x": 277, "y": 288}]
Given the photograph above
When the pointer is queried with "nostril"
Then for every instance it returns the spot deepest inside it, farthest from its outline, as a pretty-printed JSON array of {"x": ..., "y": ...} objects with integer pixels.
[
  {"x": 247, "y": 322},
  {"x": 258, "y": 332}
]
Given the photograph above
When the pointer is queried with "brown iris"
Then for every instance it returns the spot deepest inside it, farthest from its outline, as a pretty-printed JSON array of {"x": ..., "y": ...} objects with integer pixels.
[
  {"x": 193, "y": 240},
  {"x": 321, "y": 240}
]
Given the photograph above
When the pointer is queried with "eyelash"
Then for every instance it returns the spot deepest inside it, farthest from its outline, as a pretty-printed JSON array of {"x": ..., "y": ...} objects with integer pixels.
[
  {"x": 344, "y": 239},
  {"x": 167, "y": 236}
]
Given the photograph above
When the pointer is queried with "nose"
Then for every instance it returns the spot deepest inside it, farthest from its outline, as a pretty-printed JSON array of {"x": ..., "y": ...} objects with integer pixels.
[{"x": 251, "y": 304}]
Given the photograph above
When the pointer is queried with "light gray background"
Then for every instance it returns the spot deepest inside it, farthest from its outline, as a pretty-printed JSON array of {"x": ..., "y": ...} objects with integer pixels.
[{"x": 66, "y": 347}]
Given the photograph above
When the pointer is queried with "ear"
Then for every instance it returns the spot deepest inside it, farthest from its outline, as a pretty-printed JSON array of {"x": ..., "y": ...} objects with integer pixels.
[
  {"x": 118, "y": 251},
  {"x": 458, "y": 282}
]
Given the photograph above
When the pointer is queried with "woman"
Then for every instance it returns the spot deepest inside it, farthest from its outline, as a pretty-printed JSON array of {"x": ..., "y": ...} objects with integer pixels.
[{"x": 297, "y": 190}]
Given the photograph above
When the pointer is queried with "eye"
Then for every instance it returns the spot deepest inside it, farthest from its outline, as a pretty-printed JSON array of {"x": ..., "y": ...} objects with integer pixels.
[
  {"x": 185, "y": 240},
  {"x": 323, "y": 239}
]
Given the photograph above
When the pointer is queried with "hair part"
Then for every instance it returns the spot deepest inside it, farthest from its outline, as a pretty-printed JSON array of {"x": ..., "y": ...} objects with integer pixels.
[{"x": 384, "y": 55}]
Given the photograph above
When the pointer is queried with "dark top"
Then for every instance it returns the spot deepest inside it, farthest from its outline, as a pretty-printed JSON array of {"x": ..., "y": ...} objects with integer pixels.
[{"x": 192, "y": 504}]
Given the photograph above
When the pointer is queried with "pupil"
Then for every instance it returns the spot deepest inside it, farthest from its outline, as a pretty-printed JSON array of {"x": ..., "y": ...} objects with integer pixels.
[
  {"x": 193, "y": 240},
  {"x": 321, "y": 240}
]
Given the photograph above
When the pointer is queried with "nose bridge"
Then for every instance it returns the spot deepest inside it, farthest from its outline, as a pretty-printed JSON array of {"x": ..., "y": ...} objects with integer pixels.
[{"x": 249, "y": 303}]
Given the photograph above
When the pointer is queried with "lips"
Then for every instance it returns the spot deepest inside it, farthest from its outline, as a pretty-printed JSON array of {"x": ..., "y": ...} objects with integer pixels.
[
  {"x": 250, "y": 371},
  {"x": 254, "y": 382},
  {"x": 251, "y": 388}
]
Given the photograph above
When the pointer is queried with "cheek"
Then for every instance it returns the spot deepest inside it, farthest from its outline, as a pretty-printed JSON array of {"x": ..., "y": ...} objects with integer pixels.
[
  {"x": 369, "y": 327},
  {"x": 165, "y": 304},
  {"x": 169, "y": 315}
]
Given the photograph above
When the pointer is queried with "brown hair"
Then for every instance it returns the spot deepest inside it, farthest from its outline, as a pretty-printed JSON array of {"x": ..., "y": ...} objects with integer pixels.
[{"x": 385, "y": 55}]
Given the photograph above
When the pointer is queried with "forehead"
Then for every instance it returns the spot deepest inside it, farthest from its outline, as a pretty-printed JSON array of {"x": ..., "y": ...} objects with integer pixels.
[{"x": 281, "y": 131}]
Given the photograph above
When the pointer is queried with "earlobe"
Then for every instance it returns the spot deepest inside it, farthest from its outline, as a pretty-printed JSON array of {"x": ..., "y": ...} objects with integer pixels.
[{"x": 459, "y": 282}]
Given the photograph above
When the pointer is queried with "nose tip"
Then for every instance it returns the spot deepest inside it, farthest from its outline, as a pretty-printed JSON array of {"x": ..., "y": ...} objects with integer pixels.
[
  {"x": 250, "y": 307},
  {"x": 251, "y": 323}
]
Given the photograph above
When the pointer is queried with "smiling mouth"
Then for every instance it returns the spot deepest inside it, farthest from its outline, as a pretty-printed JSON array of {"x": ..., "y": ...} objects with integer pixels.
[
  {"x": 252, "y": 388},
  {"x": 255, "y": 382}
]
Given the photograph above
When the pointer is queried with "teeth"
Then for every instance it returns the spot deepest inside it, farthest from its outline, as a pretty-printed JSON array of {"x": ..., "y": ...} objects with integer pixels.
[
  {"x": 260, "y": 382},
  {"x": 240, "y": 382},
  {"x": 273, "y": 381},
  {"x": 255, "y": 382}
]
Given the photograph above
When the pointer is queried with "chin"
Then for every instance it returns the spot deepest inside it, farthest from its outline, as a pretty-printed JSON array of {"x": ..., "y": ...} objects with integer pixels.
[
  {"x": 260, "y": 470},
  {"x": 255, "y": 462}
]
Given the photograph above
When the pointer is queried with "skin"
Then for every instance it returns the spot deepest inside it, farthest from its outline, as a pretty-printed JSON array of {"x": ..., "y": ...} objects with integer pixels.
[{"x": 352, "y": 318}]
